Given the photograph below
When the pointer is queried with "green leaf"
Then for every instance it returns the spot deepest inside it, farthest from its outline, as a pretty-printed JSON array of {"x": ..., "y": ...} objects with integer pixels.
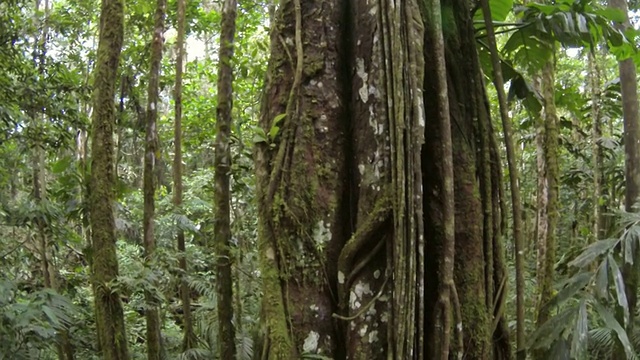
[
  {"x": 593, "y": 251},
  {"x": 580, "y": 333},
  {"x": 273, "y": 132},
  {"x": 51, "y": 315},
  {"x": 620, "y": 291},
  {"x": 602, "y": 280},
  {"x": 611, "y": 14},
  {"x": 259, "y": 135},
  {"x": 574, "y": 285},
  {"x": 278, "y": 118},
  {"x": 551, "y": 330},
  {"x": 500, "y": 9},
  {"x": 613, "y": 324}
]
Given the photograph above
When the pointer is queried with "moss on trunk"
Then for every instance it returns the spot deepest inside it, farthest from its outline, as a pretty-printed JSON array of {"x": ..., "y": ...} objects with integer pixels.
[{"x": 109, "y": 312}]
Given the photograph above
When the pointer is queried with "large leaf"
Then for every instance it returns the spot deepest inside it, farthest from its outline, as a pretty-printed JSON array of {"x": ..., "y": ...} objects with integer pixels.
[
  {"x": 551, "y": 330},
  {"x": 620, "y": 290},
  {"x": 602, "y": 280},
  {"x": 580, "y": 333},
  {"x": 499, "y": 11},
  {"x": 613, "y": 324},
  {"x": 574, "y": 285},
  {"x": 593, "y": 251}
]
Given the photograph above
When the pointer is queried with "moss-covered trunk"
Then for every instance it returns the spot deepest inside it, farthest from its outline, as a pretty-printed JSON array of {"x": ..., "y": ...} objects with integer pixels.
[
  {"x": 222, "y": 194},
  {"x": 109, "y": 312},
  {"x": 154, "y": 336},
  {"x": 343, "y": 234},
  {"x": 629, "y": 90}
]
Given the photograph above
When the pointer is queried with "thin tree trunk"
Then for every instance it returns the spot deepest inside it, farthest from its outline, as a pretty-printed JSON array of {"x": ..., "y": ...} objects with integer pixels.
[
  {"x": 222, "y": 196},
  {"x": 440, "y": 341},
  {"x": 110, "y": 315},
  {"x": 599, "y": 230},
  {"x": 629, "y": 91},
  {"x": 154, "y": 336},
  {"x": 189, "y": 340},
  {"x": 547, "y": 245},
  {"x": 516, "y": 204}
]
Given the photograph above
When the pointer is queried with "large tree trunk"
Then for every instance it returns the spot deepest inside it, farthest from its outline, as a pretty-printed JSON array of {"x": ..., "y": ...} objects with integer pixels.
[
  {"x": 222, "y": 195},
  {"x": 628, "y": 85},
  {"x": 340, "y": 183},
  {"x": 110, "y": 316},
  {"x": 154, "y": 336}
]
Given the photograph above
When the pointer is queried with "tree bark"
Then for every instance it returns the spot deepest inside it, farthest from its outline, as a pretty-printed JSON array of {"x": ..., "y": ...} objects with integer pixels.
[
  {"x": 547, "y": 197},
  {"x": 110, "y": 316},
  {"x": 189, "y": 340},
  {"x": 154, "y": 336},
  {"x": 516, "y": 204},
  {"x": 629, "y": 91},
  {"x": 222, "y": 195}
]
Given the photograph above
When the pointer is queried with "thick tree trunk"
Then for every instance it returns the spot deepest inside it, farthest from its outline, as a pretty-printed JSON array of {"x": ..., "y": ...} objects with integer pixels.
[
  {"x": 628, "y": 84},
  {"x": 189, "y": 335},
  {"x": 222, "y": 195},
  {"x": 110, "y": 316},
  {"x": 154, "y": 336}
]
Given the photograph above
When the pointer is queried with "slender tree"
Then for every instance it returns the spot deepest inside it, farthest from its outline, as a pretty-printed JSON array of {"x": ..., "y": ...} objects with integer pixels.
[
  {"x": 189, "y": 335},
  {"x": 514, "y": 185},
  {"x": 547, "y": 193},
  {"x": 110, "y": 316},
  {"x": 154, "y": 343},
  {"x": 222, "y": 195}
]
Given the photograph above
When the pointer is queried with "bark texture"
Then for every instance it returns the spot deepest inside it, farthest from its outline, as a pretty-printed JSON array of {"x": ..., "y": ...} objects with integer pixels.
[
  {"x": 629, "y": 89},
  {"x": 110, "y": 317},
  {"x": 154, "y": 336},
  {"x": 342, "y": 230},
  {"x": 222, "y": 195},
  {"x": 189, "y": 335}
]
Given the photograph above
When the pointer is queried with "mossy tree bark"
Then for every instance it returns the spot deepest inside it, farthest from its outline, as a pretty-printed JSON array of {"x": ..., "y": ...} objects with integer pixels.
[
  {"x": 340, "y": 183},
  {"x": 222, "y": 195},
  {"x": 516, "y": 204},
  {"x": 629, "y": 90},
  {"x": 109, "y": 312},
  {"x": 548, "y": 190},
  {"x": 154, "y": 336},
  {"x": 189, "y": 340},
  {"x": 479, "y": 269}
]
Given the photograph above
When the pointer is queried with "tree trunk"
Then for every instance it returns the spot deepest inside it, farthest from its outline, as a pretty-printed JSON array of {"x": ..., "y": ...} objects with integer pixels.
[
  {"x": 547, "y": 197},
  {"x": 110, "y": 317},
  {"x": 516, "y": 205},
  {"x": 222, "y": 195},
  {"x": 154, "y": 336},
  {"x": 340, "y": 186},
  {"x": 599, "y": 227},
  {"x": 189, "y": 335},
  {"x": 629, "y": 91}
]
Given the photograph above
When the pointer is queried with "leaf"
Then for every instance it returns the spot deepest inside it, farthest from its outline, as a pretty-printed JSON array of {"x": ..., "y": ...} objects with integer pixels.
[
  {"x": 259, "y": 135},
  {"x": 500, "y": 9},
  {"x": 611, "y": 14},
  {"x": 602, "y": 280},
  {"x": 551, "y": 330},
  {"x": 51, "y": 315},
  {"x": 593, "y": 251},
  {"x": 278, "y": 118},
  {"x": 620, "y": 291},
  {"x": 574, "y": 285},
  {"x": 273, "y": 132},
  {"x": 613, "y": 324},
  {"x": 581, "y": 333}
]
